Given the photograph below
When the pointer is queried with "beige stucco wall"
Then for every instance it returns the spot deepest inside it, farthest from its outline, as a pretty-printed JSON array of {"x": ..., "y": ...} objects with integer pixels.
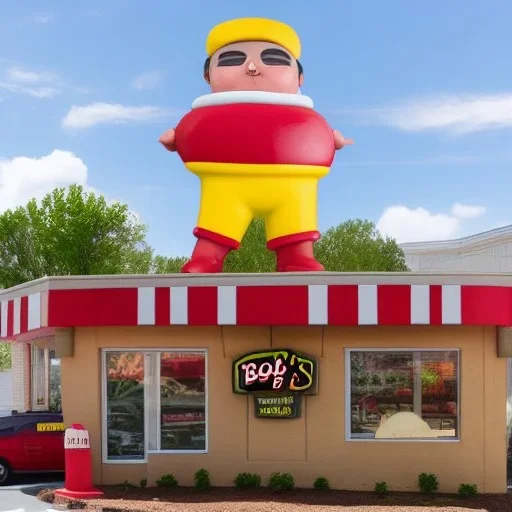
[{"x": 313, "y": 445}]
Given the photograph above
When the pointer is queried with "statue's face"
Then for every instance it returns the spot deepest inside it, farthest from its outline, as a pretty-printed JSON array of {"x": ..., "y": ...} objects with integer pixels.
[{"x": 254, "y": 66}]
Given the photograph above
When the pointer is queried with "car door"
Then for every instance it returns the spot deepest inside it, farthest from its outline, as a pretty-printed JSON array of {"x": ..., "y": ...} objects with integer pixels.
[
  {"x": 31, "y": 443},
  {"x": 51, "y": 430}
]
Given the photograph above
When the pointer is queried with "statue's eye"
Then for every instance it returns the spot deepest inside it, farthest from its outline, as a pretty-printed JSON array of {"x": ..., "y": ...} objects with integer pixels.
[
  {"x": 275, "y": 57},
  {"x": 231, "y": 58}
]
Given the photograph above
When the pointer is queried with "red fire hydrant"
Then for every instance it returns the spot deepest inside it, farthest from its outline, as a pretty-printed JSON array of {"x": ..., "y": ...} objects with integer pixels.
[{"x": 78, "y": 465}]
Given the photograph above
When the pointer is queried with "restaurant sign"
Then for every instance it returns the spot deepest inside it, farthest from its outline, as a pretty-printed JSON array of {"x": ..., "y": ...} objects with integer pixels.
[
  {"x": 275, "y": 371},
  {"x": 277, "y": 406}
]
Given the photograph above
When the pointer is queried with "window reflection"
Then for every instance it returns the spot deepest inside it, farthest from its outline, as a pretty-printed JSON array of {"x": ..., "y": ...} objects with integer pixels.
[
  {"x": 125, "y": 405},
  {"x": 182, "y": 401},
  {"x": 403, "y": 394}
]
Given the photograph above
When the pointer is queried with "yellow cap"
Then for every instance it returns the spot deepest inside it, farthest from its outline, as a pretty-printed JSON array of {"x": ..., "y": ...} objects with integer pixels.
[{"x": 253, "y": 29}]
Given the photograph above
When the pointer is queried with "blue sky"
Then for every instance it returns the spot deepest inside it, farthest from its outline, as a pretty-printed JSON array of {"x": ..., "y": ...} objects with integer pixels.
[{"x": 86, "y": 88}]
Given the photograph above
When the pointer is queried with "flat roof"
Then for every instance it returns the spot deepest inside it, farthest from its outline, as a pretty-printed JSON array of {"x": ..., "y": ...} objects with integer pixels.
[{"x": 315, "y": 298}]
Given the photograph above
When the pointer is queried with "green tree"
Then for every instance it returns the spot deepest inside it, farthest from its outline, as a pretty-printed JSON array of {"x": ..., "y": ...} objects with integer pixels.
[
  {"x": 71, "y": 232},
  {"x": 357, "y": 246},
  {"x": 168, "y": 265},
  {"x": 5, "y": 356},
  {"x": 252, "y": 255}
]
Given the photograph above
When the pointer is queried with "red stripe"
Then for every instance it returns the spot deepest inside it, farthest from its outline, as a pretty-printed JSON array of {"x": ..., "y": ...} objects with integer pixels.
[
  {"x": 342, "y": 304},
  {"x": 24, "y": 314},
  {"x": 162, "y": 306},
  {"x": 272, "y": 305},
  {"x": 202, "y": 305},
  {"x": 95, "y": 307},
  {"x": 10, "y": 318},
  {"x": 486, "y": 305},
  {"x": 394, "y": 304},
  {"x": 436, "y": 293}
]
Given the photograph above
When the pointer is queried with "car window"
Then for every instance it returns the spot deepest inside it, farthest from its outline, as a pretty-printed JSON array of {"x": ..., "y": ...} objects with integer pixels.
[{"x": 6, "y": 426}]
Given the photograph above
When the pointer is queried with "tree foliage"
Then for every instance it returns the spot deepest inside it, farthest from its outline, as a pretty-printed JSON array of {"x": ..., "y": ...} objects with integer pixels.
[
  {"x": 357, "y": 246},
  {"x": 5, "y": 356},
  {"x": 71, "y": 232}
]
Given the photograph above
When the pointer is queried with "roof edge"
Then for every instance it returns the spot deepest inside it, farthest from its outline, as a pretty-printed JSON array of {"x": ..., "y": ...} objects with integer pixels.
[{"x": 472, "y": 241}]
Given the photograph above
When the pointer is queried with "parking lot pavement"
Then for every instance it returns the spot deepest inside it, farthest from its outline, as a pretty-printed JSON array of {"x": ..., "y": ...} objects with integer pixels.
[{"x": 21, "y": 496}]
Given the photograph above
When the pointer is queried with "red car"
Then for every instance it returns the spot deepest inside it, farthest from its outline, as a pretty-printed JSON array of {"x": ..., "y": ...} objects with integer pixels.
[{"x": 31, "y": 443}]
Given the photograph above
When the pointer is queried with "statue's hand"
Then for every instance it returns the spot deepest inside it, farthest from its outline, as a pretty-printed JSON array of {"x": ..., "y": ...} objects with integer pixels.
[
  {"x": 168, "y": 140},
  {"x": 340, "y": 141}
]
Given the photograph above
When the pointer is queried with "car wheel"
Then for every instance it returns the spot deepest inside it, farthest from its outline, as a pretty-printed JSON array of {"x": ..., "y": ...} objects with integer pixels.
[{"x": 5, "y": 472}]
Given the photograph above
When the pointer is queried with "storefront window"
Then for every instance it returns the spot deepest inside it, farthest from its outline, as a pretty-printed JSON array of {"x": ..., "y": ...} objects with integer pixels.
[
  {"x": 55, "y": 383},
  {"x": 403, "y": 394},
  {"x": 125, "y": 405},
  {"x": 182, "y": 404},
  {"x": 155, "y": 401},
  {"x": 39, "y": 375}
]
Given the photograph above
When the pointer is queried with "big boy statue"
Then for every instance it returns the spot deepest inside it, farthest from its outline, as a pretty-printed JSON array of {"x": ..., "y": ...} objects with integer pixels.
[{"x": 257, "y": 146}]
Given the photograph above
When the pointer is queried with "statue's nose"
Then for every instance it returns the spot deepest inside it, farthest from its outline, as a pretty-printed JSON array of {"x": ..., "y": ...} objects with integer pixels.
[{"x": 252, "y": 69}]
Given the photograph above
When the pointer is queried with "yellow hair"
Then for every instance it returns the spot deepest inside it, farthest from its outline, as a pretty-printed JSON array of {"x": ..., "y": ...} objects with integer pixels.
[{"x": 253, "y": 29}]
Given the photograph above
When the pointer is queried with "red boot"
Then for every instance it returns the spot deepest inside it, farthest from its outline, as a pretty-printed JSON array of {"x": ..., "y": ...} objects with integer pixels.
[
  {"x": 209, "y": 253},
  {"x": 295, "y": 253}
]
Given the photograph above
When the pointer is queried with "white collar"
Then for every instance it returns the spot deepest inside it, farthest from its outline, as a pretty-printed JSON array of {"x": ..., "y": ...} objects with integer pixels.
[{"x": 272, "y": 98}]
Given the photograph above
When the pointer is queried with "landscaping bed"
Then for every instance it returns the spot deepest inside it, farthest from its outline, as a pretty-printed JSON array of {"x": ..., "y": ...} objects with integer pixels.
[{"x": 217, "y": 499}]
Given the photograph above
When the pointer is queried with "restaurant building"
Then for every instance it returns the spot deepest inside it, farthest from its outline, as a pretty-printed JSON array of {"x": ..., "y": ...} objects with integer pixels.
[{"x": 358, "y": 378}]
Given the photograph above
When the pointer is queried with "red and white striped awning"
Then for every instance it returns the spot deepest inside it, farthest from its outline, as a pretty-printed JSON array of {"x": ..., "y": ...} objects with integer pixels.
[{"x": 256, "y": 299}]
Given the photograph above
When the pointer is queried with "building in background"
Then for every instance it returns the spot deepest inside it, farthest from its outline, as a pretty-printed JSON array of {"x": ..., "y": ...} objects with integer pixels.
[{"x": 490, "y": 251}]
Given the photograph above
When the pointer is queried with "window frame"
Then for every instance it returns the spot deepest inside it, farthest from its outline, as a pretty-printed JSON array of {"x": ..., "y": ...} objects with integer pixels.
[
  {"x": 348, "y": 396},
  {"x": 147, "y": 391}
]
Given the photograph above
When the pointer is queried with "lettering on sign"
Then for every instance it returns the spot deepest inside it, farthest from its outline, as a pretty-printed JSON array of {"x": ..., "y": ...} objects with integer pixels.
[
  {"x": 281, "y": 407},
  {"x": 50, "y": 427},
  {"x": 278, "y": 371},
  {"x": 76, "y": 439}
]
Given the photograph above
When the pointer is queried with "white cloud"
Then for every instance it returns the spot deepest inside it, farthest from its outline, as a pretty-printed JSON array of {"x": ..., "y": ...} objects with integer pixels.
[
  {"x": 23, "y": 178},
  {"x": 107, "y": 113},
  {"x": 19, "y": 75},
  {"x": 147, "y": 80},
  {"x": 457, "y": 114},
  {"x": 44, "y": 20},
  {"x": 464, "y": 211},
  {"x": 38, "y": 84},
  {"x": 418, "y": 224}
]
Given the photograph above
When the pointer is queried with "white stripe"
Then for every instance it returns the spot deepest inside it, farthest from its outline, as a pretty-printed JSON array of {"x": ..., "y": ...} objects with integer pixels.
[
  {"x": 34, "y": 311},
  {"x": 317, "y": 304},
  {"x": 226, "y": 305},
  {"x": 17, "y": 316},
  {"x": 367, "y": 304},
  {"x": 451, "y": 304},
  {"x": 3, "y": 319},
  {"x": 420, "y": 304},
  {"x": 179, "y": 305},
  {"x": 146, "y": 306}
]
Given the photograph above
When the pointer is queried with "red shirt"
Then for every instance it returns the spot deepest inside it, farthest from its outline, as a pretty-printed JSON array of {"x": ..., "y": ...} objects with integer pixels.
[{"x": 255, "y": 133}]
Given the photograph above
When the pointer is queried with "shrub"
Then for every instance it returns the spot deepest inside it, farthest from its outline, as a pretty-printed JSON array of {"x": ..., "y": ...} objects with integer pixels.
[
  {"x": 466, "y": 490},
  {"x": 202, "y": 479},
  {"x": 428, "y": 482},
  {"x": 281, "y": 482},
  {"x": 169, "y": 481},
  {"x": 127, "y": 485},
  {"x": 143, "y": 483},
  {"x": 247, "y": 480},
  {"x": 321, "y": 484},
  {"x": 381, "y": 488}
]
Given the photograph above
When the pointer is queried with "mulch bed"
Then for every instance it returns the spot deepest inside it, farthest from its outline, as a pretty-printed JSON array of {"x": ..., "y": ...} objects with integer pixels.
[{"x": 118, "y": 499}]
